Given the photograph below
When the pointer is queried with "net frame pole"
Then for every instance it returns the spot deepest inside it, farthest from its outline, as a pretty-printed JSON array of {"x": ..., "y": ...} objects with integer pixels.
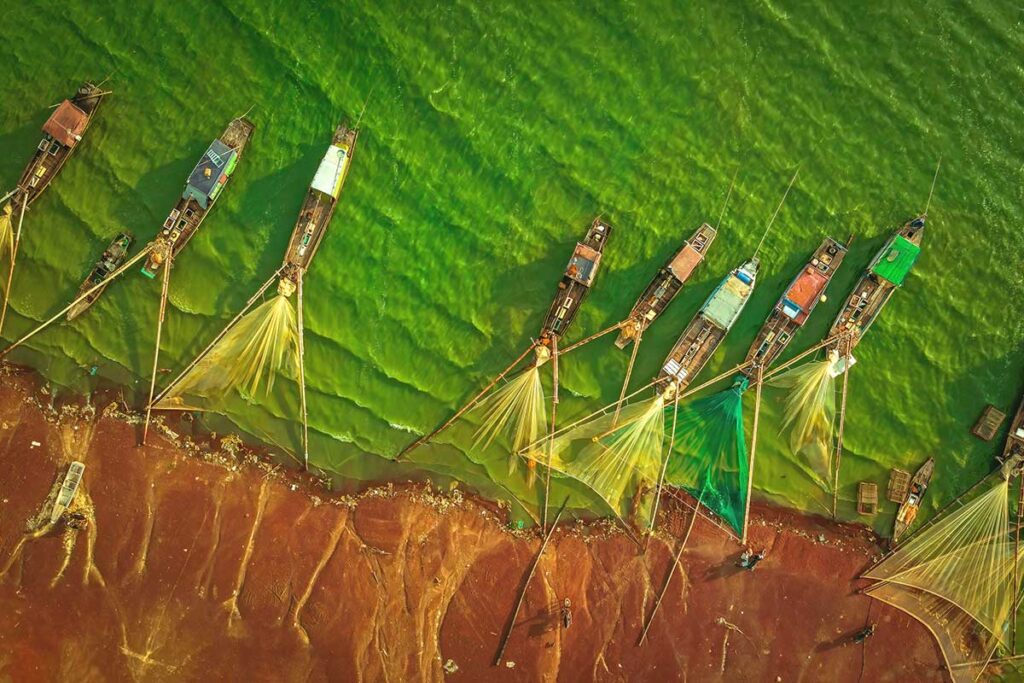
[
  {"x": 839, "y": 435},
  {"x": 629, "y": 373},
  {"x": 1016, "y": 566},
  {"x": 664, "y": 464},
  {"x": 302, "y": 374},
  {"x": 671, "y": 571},
  {"x": 165, "y": 286},
  {"x": 526, "y": 584},
  {"x": 42, "y": 326},
  {"x": 753, "y": 452},
  {"x": 14, "y": 258},
  {"x": 465, "y": 408},
  {"x": 209, "y": 347},
  {"x": 551, "y": 441}
]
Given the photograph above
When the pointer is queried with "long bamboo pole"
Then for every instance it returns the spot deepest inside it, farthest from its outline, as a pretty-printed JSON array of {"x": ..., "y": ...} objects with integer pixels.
[
  {"x": 14, "y": 258},
  {"x": 753, "y": 452},
  {"x": 551, "y": 441},
  {"x": 526, "y": 584},
  {"x": 664, "y": 464},
  {"x": 209, "y": 347},
  {"x": 629, "y": 373},
  {"x": 165, "y": 286},
  {"x": 89, "y": 292},
  {"x": 472, "y": 402},
  {"x": 1016, "y": 567},
  {"x": 671, "y": 571},
  {"x": 302, "y": 376},
  {"x": 839, "y": 436},
  {"x": 596, "y": 335}
]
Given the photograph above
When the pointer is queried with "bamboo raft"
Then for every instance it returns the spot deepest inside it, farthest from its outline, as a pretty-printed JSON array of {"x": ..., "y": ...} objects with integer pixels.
[
  {"x": 62, "y": 135},
  {"x": 666, "y": 284},
  {"x": 795, "y": 306}
]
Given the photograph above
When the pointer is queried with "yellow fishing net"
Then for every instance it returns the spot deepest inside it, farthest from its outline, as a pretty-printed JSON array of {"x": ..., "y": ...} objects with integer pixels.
[
  {"x": 263, "y": 343},
  {"x": 957, "y": 578},
  {"x": 516, "y": 409},
  {"x": 810, "y": 413},
  {"x": 613, "y": 456},
  {"x": 6, "y": 230}
]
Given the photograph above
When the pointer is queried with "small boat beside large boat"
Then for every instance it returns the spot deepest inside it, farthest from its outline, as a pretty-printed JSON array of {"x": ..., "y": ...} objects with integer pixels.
[
  {"x": 795, "y": 306},
  {"x": 666, "y": 285},
  {"x": 1012, "y": 457},
  {"x": 576, "y": 282},
  {"x": 908, "y": 509},
  {"x": 705, "y": 333},
  {"x": 204, "y": 187},
  {"x": 112, "y": 258},
  {"x": 884, "y": 276}
]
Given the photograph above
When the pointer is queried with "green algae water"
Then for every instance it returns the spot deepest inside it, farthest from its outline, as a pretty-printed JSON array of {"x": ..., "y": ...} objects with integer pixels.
[{"x": 493, "y": 134}]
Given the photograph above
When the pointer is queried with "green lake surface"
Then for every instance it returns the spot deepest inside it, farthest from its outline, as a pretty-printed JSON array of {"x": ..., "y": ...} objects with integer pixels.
[{"x": 493, "y": 134}]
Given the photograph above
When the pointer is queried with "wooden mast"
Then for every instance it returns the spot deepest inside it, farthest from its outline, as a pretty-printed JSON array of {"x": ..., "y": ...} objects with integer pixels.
[
  {"x": 753, "y": 452},
  {"x": 551, "y": 440},
  {"x": 14, "y": 257},
  {"x": 302, "y": 376},
  {"x": 462, "y": 411},
  {"x": 664, "y": 465},
  {"x": 159, "y": 332},
  {"x": 42, "y": 326}
]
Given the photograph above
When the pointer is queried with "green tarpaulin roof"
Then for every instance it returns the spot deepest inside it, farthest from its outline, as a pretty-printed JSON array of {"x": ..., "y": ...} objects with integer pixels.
[{"x": 897, "y": 260}]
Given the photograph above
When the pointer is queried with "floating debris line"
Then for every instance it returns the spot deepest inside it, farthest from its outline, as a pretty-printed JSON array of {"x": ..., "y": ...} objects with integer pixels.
[
  {"x": 258, "y": 344},
  {"x": 62, "y": 134}
]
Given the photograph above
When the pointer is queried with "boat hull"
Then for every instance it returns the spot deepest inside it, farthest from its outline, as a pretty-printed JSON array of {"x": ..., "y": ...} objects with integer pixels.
[{"x": 576, "y": 282}]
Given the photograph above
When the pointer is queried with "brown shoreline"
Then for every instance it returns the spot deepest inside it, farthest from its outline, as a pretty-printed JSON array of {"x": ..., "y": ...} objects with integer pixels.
[{"x": 207, "y": 561}]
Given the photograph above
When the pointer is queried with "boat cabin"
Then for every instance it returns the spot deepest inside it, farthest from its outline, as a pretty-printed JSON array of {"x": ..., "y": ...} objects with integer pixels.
[
  {"x": 893, "y": 263},
  {"x": 64, "y": 127},
  {"x": 690, "y": 256},
  {"x": 726, "y": 303},
  {"x": 210, "y": 174},
  {"x": 583, "y": 265},
  {"x": 330, "y": 175}
]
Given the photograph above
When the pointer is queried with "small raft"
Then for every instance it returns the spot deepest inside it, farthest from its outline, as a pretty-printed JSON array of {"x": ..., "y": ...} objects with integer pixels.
[
  {"x": 666, "y": 285},
  {"x": 68, "y": 490}
]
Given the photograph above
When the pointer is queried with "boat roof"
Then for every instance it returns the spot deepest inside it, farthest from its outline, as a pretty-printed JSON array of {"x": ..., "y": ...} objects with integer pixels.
[
  {"x": 66, "y": 124},
  {"x": 684, "y": 263},
  {"x": 202, "y": 185},
  {"x": 726, "y": 303},
  {"x": 331, "y": 172},
  {"x": 895, "y": 262},
  {"x": 808, "y": 287}
]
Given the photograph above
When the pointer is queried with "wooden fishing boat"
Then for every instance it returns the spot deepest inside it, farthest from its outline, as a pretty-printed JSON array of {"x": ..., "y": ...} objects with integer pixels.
[
  {"x": 576, "y": 282},
  {"x": 62, "y": 134},
  {"x": 912, "y": 503},
  {"x": 708, "y": 328},
  {"x": 795, "y": 306},
  {"x": 204, "y": 187},
  {"x": 666, "y": 284},
  {"x": 111, "y": 260},
  {"x": 883, "y": 277},
  {"x": 68, "y": 490},
  {"x": 318, "y": 207},
  {"x": 1012, "y": 457}
]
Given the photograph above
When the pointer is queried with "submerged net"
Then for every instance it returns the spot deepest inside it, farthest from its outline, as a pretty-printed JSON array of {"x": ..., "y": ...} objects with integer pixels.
[
  {"x": 710, "y": 454},
  {"x": 613, "y": 455},
  {"x": 957, "y": 578},
  {"x": 516, "y": 409},
  {"x": 263, "y": 343},
  {"x": 810, "y": 414}
]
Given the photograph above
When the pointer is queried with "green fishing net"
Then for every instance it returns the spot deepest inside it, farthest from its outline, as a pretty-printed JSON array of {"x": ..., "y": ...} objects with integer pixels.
[{"x": 710, "y": 454}]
